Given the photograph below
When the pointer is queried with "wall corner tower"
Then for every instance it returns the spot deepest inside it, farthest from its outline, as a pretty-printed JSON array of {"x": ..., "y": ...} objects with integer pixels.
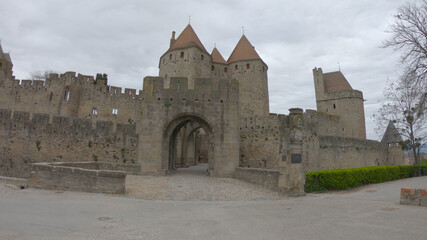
[
  {"x": 334, "y": 95},
  {"x": 247, "y": 67}
]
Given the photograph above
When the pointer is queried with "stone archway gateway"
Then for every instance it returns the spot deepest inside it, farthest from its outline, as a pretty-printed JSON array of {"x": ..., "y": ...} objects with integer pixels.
[
  {"x": 210, "y": 105},
  {"x": 172, "y": 152}
]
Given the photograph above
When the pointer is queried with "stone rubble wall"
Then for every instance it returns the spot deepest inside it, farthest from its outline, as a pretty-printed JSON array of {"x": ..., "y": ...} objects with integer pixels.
[
  {"x": 260, "y": 141},
  {"x": 26, "y": 139},
  {"x": 413, "y": 196},
  {"x": 57, "y": 177},
  {"x": 264, "y": 177}
]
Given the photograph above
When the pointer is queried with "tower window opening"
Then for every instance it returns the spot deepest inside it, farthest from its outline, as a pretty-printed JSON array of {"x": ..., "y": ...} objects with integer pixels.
[
  {"x": 115, "y": 111},
  {"x": 236, "y": 67},
  {"x": 263, "y": 69},
  {"x": 170, "y": 56},
  {"x": 202, "y": 57},
  {"x": 182, "y": 55},
  {"x": 335, "y": 106},
  {"x": 67, "y": 95},
  {"x": 212, "y": 67},
  {"x": 94, "y": 111},
  {"x": 225, "y": 69},
  {"x": 248, "y": 66}
]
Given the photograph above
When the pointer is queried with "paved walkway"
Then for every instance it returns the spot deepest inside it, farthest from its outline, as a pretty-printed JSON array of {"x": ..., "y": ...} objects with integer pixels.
[
  {"x": 194, "y": 184},
  {"x": 371, "y": 212}
]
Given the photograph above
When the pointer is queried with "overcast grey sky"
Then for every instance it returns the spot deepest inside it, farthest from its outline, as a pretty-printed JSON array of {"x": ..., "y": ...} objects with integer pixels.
[{"x": 126, "y": 38}]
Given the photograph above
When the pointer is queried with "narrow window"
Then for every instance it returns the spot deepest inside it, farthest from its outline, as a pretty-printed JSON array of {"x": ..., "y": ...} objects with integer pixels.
[
  {"x": 236, "y": 67},
  {"x": 170, "y": 56},
  {"x": 182, "y": 54},
  {"x": 202, "y": 57},
  {"x": 248, "y": 66},
  {"x": 51, "y": 95},
  {"x": 67, "y": 94},
  {"x": 263, "y": 69},
  {"x": 225, "y": 70},
  {"x": 335, "y": 106},
  {"x": 115, "y": 111},
  {"x": 94, "y": 111},
  {"x": 212, "y": 67}
]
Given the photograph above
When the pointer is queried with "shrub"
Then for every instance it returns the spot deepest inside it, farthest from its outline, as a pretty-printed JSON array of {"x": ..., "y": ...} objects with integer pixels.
[{"x": 339, "y": 179}]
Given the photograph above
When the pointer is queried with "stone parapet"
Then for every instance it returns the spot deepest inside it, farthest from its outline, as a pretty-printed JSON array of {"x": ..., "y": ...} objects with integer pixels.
[{"x": 54, "y": 176}]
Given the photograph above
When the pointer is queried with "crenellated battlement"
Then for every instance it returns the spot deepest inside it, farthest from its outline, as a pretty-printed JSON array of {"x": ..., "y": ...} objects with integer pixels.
[
  {"x": 209, "y": 90},
  {"x": 35, "y": 122}
]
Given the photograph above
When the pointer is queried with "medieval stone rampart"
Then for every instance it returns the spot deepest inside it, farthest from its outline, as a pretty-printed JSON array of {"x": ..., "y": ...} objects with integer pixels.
[
  {"x": 30, "y": 138},
  {"x": 261, "y": 139}
]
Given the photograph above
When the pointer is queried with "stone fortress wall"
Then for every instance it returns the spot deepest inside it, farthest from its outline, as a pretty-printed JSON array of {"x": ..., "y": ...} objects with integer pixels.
[
  {"x": 71, "y": 117},
  {"x": 26, "y": 139}
]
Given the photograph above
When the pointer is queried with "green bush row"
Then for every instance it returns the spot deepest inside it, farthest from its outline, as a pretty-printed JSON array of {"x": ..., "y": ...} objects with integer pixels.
[{"x": 339, "y": 179}]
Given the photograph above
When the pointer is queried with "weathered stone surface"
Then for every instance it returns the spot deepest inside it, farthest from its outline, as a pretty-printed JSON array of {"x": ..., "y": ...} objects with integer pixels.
[
  {"x": 413, "y": 196},
  {"x": 51, "y": 176},
  {"x": 265, "y": 177}
]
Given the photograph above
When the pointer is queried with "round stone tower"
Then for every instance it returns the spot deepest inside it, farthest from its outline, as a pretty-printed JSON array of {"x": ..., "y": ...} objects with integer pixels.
[
  {"x": 246, "y": 66},
  {"x": 186, "y": 57}
]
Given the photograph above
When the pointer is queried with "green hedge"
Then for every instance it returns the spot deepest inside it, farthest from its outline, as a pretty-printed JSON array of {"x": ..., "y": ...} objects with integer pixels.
[{"x": 339, "y": 179}]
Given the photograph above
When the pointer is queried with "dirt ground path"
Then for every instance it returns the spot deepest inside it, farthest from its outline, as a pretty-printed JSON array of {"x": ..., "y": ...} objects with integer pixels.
[{"x": 194, "y": 184}]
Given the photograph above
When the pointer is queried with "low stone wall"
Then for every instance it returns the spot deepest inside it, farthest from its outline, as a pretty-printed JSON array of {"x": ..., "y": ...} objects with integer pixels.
[
  {"x": 134, "y": 169},
  {"x": 18, "y": 182},
  {"x": 412, "y": 196},
  {"x": 55, "y": 176},
  {"x": 265, "y": 177}
]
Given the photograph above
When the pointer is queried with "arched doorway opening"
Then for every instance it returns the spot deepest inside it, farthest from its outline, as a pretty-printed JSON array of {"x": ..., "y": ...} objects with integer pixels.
[{"x": 182, "y": 144}]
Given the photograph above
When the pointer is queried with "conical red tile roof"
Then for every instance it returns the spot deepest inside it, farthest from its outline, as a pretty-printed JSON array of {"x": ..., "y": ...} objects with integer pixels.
[
  {"x": 1, "y": 52},
  {"x": 188, "y": 38},
  {"x": 217, "y": 57},
  {"x": 243, "y": 51}
]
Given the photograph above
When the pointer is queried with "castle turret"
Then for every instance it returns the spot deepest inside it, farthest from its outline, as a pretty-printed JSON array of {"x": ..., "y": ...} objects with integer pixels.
[
  {"x": 69, "y": 103},
  {"x": 392, "y": 138},
  {"x": 6, "y": 65},
  {"x": 250, "y": 71},
  {"x": 334, "y": 95},
  {"x": 186, "y": 57},
  {"x": 219, "y": 68}
]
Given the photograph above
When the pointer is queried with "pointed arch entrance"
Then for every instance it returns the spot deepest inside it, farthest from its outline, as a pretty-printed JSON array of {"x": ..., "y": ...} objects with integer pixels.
[{"x": 179, "y": 141}]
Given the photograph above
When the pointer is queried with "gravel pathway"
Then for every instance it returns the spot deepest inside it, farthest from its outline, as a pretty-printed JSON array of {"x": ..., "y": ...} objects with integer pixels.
[{"x": 194, "y": 184}]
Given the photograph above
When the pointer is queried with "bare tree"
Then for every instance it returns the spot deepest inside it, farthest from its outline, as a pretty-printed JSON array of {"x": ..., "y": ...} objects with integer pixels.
[
  {"x": 38, "y": 75},
  {"x": 410, "y": 36},
  {"x": 406, "y": 106}
]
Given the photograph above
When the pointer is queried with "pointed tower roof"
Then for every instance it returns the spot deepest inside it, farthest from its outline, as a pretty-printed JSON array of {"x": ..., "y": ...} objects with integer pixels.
[
  {"x": 217, "y": 57},
  {"x": 1, "y": 52},
  {"x": 391, "y": 134},
  {"x": 243, "y": 51},
  {"x": 7, "y": 56},
  {"x": 336, "y": 82},
  {"x": 188, "y": 38}
]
